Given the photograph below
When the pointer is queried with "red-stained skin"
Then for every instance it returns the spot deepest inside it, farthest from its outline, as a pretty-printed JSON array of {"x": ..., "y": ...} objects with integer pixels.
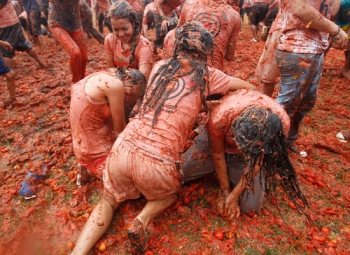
[{"x": 46, "y": 225}]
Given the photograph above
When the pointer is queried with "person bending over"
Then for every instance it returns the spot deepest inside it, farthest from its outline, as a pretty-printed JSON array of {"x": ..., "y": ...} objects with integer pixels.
[
  {"x": 99, "y": 110},
  {"x": 147, "y": 154},
  {"x": 244, "y": 143}
]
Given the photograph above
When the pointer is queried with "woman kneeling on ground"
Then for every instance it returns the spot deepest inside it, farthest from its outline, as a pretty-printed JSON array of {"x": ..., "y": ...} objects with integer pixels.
[
  {"x": 146, "y": 156},
  {"x": 244, "y": 142},
  {"x": 99, "y": 110}
]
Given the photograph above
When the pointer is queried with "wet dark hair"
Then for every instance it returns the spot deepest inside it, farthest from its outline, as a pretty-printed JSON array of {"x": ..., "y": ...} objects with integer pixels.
[
  {"x": 258, "y": 133},
  {"x": 193, "y": 42},
  {"x": 123, "y": 10},
  {"x": 134, "y": 79}
]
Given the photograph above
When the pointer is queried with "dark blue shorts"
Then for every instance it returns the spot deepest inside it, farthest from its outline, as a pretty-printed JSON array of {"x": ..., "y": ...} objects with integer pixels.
[{"x": 4, "y": 68}]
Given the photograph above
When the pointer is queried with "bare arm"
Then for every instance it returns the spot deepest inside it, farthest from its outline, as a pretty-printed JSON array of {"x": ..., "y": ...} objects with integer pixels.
[
  {"x": 146, "y": 69},
  {"x": 314, "y": 19},
  {"x": 306, "y": 12},
  {"x": 6, "y": 45},
  {"x": 145, "y": 31},
  {"x": 240, "y": 84},
  {"x": 110, "y": 61},
  {"x": 230, "y": 52},
  {"x": 115, "y": 94}
]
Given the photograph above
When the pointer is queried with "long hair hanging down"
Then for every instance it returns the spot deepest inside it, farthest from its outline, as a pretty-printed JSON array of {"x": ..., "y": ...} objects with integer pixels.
[
  {"x": 194, "y": 43},
  {"x": 133, "y": 78},
  {"x": 123, "y": 10},
  {"x": 259, "y": 134}
]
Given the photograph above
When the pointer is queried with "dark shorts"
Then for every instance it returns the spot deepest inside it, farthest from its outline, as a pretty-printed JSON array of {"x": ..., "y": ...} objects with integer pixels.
[
  {"x": 4, "y": 68},
  {"x": 14, "y": 35},
  {"x": 34, "y": 21},
  {"x": 258, "y": 13}
]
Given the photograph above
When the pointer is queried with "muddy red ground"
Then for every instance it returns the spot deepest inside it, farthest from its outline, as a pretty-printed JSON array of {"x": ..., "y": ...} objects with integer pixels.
[{"x": 36, "y": 132}]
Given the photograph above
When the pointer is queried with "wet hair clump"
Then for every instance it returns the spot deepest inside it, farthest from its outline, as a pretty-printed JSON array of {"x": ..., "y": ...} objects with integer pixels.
[
  {"x": 123, "y": 10},
  {"x": 132, "y": 78},
  {"x": 193, "y": 43},
  {"x": 259, "y": 135}
]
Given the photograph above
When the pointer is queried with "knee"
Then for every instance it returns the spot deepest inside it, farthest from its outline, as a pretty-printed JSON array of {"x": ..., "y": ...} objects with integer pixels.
[
  {"x": 11, "y": 75},
  {"x": 75, "y": 54}
]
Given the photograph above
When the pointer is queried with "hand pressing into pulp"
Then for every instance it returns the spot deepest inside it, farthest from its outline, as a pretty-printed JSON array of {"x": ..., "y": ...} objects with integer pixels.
[{"x": 228, "y": 204}]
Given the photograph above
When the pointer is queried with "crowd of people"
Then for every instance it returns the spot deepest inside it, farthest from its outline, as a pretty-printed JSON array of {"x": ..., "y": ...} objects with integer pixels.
[{"x": 130, "y": 123}]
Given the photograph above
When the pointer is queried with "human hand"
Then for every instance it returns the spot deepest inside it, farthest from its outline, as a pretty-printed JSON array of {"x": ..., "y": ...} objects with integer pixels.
[
  {"x": 232, "y": 207},
  {"x": 165, "y": 24},
  {"x": 6, "y": 45},
  {"x": 222, "y": 200},
  {"x": 340, "y": 40}
]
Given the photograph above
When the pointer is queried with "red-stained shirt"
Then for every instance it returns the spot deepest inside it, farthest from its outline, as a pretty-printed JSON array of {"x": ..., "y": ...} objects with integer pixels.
[
  {"x": 91, "y": 124},
  {"x": 167, "y": 137},
  {"x": 103, "y": 5},
  {"x": 136, "y": 5},
  {"x": 296, "y": 36},
  {"x": 143, "y": 52},
  {"x": 8, "y": 15},
  {"x": 231, "y": 106},
  {"x": 222, "y": 21}
]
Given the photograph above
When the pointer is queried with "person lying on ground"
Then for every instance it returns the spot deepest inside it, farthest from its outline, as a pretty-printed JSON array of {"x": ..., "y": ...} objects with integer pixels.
[
  {"x": 99, "y": 110},
  {"x": 125, "y": 47},
  {"x": 146, "y": 157},
  {"x": 9, "y": 74},
  {"x": 305, "y": 31},
  {"x": 244, "y": 143},
  {"x": 11, "y": 32}
]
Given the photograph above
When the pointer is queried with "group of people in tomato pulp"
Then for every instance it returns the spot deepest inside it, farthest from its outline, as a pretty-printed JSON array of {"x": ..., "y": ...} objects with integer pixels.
[{"x": 130, "y": 123}]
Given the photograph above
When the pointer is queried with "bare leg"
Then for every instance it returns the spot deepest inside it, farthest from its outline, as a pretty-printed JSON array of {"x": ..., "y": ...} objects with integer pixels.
[
  {"x": 40, "y": 40},
  {"x": 10, "y": 82},
  {"x": 153, "y": 208},
  {"x": 268, "y": 88},
  {"x": 34, "y": 54},
  {"x": 346, "y": 69},
  {"x": 254, "y": 31},
  {"x": 96, "y": 225},
  {"x": 10, "y": 62},
  {"x": 136, "y": 232}
]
